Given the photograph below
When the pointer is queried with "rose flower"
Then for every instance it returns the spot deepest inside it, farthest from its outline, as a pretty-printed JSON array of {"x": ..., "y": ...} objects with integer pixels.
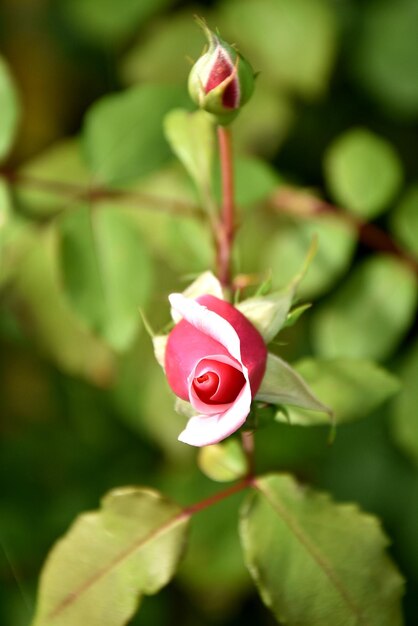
[{"x": 215, "y": 359}]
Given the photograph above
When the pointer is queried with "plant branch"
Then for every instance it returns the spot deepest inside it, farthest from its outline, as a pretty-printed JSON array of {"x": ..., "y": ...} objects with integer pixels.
[
  {"x": 295, "y": 202},
  {"x": 303, "y": 204},
  {"x": 217, "y": 497},
  {"x": 92, "y": 194}
]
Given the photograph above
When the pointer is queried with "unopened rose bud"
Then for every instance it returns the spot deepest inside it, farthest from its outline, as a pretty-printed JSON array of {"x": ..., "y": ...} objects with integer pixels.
[{"x": 221, "y": 81}]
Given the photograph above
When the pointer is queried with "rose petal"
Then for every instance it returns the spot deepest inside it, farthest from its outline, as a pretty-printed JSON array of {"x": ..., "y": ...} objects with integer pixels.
[
  {"x": 205, "y": 284},
  {"x": 213, "y": 320},
  {"x": 207, "y": 383},
  {"x": 208, "y": 322},
  {"x": 204, "y": 430},
  {"x": 186, "y": 346},
  {"x": 200, "y": 405},
  {"x": 216, "y": 382},
  {"x": 224, "y": 323}
]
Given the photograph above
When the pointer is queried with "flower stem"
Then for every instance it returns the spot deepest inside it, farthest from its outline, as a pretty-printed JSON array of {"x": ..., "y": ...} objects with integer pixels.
[
  {"x": 247, "y": 438},
  {"x": 227, "y": 222},
  {"x": 225, "y": 240}
]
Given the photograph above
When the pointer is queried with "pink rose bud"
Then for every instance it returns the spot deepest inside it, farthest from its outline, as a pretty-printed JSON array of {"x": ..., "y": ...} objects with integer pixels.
[
  {"x": 221, "y": 81},
  {"x": 215, "y": 359}
]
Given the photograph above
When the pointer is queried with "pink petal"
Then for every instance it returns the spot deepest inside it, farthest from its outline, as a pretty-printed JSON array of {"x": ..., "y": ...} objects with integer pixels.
[
  {"x": 204, "y": 430},
  {"x": 212, "y": 328},
  {"x": 216, "y": 382},
  {"x": 208, "y": 322},
  {"x": 221, "y": 69},
  {"x": 200, "y": 405},
  {"x": 241, "y": 339},
  {"x": 186, "y": 346}
]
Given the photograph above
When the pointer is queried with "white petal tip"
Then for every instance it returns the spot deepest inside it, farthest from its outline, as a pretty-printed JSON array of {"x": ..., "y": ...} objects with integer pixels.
[{"x": 174, "y": 297}]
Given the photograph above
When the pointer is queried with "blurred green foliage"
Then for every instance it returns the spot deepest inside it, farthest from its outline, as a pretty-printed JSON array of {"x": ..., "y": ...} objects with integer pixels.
[{"x": 83, "y": 406}]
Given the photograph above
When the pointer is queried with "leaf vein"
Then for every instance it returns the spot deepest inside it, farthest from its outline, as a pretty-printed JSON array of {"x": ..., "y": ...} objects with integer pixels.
[
  {"x": 310, "y": 547},
  {"x": 101, "y": 573}
]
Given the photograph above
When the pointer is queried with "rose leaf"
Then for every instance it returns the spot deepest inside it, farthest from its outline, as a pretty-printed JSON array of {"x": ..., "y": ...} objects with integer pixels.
[
  {"x": 98, "y": 572},
  {"x": 192, "y": 139},
  {"x": 316, "y": 562}
]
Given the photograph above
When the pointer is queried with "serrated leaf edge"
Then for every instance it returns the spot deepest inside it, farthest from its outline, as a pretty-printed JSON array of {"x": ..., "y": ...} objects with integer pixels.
[
  {"x": 180, "y": 517},
  {"x": 293, "y": 526}
]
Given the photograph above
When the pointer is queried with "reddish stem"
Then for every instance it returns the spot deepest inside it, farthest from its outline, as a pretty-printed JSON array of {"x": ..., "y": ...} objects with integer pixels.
[
  {"x": 217, "y": 497},
  {"x": 227, "y": 226},
  {"x": 225, "y": 242},
  {"x": 96, "y": 194},
  {"x": 302, "y": 204},
  {"x": 296, "y": 202}
]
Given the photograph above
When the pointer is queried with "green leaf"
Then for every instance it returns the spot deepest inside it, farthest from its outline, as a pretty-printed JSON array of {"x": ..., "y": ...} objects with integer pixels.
[
  {"x": 59, "y": 331},
  {"x": 385, "y": 55},
  {"x": 316, "y": 562},
  {"x": 223, "y": 462},
  {"x": 269, "y": 313},
  {"x": 5, "y": 210},
  {"x": 283, "y": 385},
  {"x": 161, "y": 52},
  {"x": 60, "y": 175},
  {"x": 265, "y": 121},
  {"x": 108, "y": 23},
  {"x": 16, "y": 235},
  {"x": 97, "y": 573},
  {"x": 369, "y": 314},
  {"x": 178, "y": 237},
  {"x": 286, "y": 251},
  {"x": 192, "y": 138},
  {"x": 405, "y": 407},
  {"x": 404, "y": 220},
  {"x": 353, "y": 388},
  {"x": 292, "y": 42},
  {"x": 106, "y": 271},
  {"x": 363, "y": 172},
  {"x": 10, "y": 110},
  {"x": 123, "y": 134}
]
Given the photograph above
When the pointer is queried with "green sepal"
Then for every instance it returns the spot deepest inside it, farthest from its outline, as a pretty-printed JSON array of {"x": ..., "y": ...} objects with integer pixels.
[{"x": 283, "y": 385}]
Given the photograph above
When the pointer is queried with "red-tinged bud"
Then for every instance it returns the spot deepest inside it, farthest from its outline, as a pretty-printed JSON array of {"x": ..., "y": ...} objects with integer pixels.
[{"x": 221, "y": 81}]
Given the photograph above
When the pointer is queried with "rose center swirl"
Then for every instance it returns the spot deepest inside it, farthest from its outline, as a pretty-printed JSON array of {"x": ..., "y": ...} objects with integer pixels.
[{"x": 219, "y": 383}]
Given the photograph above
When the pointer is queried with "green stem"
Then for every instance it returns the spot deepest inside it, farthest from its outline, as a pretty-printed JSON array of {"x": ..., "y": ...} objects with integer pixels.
[{"x": 248, "y": 445}]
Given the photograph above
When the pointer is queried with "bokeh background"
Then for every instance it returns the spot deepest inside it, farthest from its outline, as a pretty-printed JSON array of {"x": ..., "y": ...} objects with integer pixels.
[{"x": 83, "y": 406}]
